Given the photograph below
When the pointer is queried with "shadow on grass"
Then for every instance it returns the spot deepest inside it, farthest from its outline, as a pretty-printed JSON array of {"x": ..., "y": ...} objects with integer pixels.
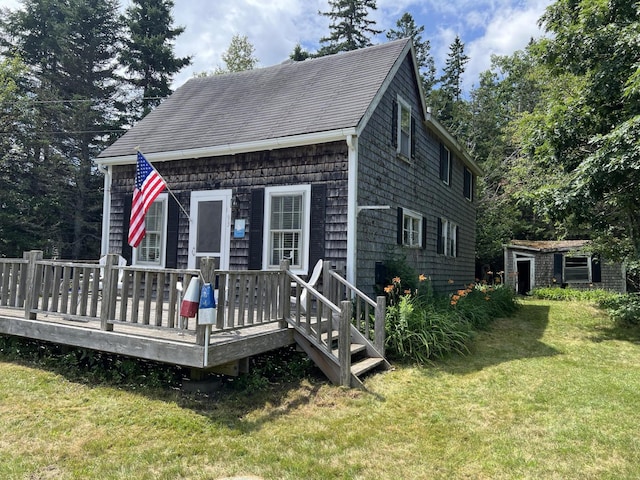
[
  {"x": 620, "y": 333},
  {"x": 505, "y": 340},
  {"x": 241, "y": 404}
]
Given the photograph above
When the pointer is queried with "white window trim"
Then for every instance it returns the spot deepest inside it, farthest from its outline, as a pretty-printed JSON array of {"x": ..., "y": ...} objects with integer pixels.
[
  {"x": 403, "y": 104},
  {"x": 414, "y": 216},
  {"x": 589, "y": 268},
  {"x": 269, "y": 193},
  {"x": 164, "y": 198},
  {"x": 447, "y": 180}
]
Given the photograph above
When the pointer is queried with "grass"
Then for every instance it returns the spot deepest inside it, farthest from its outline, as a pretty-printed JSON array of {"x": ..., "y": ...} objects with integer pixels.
[{"x": 551, "y": 393}]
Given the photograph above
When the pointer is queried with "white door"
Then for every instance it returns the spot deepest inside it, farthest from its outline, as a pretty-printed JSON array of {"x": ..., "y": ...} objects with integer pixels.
[{"x": 210, "y": 227}]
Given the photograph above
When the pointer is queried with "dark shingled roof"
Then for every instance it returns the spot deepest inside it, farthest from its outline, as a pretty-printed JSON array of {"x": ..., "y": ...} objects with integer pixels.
[{"x": 293, "y": 98}]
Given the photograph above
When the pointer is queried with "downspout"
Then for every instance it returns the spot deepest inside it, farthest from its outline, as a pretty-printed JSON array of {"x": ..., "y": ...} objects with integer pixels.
[
  {"x": 106, "y": 211},
  {"x": 352, "y": 207}
]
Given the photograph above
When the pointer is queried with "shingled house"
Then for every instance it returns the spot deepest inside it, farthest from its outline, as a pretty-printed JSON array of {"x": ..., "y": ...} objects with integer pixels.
[
  {"x": 562, "y": 263},
  {"x": 333, "y": 158}
]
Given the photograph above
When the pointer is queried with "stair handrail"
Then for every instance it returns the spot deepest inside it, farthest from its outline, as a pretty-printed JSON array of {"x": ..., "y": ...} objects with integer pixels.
[{"x": 380, "y": 306}]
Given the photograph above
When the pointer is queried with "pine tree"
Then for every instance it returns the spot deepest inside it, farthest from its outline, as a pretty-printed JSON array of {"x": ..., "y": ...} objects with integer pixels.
[
  {"x": 299, "y": 54},
  {"x": 70, "y": 49},
  {"x": 451, "y": 79},
  {"x": 148, "y": 53},
  {"x": 350, "y": 27},
  {"x": 406, "y": 27}
]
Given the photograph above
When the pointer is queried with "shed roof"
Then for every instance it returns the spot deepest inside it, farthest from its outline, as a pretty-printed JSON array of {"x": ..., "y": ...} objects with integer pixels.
[
  {"x": 548, "y": 245},
  {"x": 289, "y": 99}
]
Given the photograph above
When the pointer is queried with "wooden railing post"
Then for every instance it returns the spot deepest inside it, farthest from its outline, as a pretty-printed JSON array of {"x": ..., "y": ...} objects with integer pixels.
[
  {"x": 285, "y": 293},
  {"x": 33, "y": 282},
  {"x": 344, "y": 343},
  {"x": 208, "y": 271},
  {"x": 379, "y": 325},
  {"x": 109, "y": 292}
]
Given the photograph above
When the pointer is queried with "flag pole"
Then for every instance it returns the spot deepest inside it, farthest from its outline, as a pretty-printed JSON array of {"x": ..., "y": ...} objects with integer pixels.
[{"x": 166, "y": 185}]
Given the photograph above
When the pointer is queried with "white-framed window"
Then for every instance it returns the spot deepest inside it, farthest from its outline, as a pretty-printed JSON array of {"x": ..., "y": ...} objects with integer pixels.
[
  {"x": 577, "y": 269},
  {"x": 468, "y": 184},
  {"x": 452, "y": 240},
  {"x": 445, "y": 164},
  {"x": 152, "y": 249},
  {"x": 404, "y": 128},
  {"x": 411, "y": 228},
  {"x": 287, "y": 225},
  {"x": 447, "y": 238}
]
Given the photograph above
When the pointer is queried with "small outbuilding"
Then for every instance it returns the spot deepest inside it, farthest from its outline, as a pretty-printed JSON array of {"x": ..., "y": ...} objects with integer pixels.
[{"x": 565, "y": 263}]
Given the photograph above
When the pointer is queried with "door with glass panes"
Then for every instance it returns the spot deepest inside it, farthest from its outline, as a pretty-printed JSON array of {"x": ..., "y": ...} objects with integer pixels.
[{"x": 210, "y": 227}]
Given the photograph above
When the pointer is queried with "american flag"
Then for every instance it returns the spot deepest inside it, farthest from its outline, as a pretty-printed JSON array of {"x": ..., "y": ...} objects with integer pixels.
[{"x": 149, "y": 184}]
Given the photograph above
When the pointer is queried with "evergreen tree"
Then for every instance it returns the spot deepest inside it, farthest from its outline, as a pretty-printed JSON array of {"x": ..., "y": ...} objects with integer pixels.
[
  {"x": 452, "y": 110},
  {"x": 148, "y": 52},
  {"x": 451, "y": 79},
  {"x": 70, "y": 49},
  {"x": 406, "y": 27},
  {"x": 299, "y": 54},
  {"x": 350, "y": 26}
]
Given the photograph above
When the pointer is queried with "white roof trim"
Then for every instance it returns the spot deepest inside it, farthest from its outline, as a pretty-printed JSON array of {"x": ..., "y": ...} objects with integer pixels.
[
  {"x": 235, "y": 148},
  {"x": 452, "y": 143}
]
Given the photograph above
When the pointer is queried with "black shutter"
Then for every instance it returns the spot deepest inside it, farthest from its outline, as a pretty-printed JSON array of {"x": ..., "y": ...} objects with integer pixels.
[
  {"x": 466, "y": 189},
  {"x": 557, "y": 267},
  {"x": 596, "y": 270},
  {"x": 127, "y": 251},
  {"x": 318, "y": 216},
  {"x": 424, "y": 232},
  {"x": 256, "y": 227},
  {"x": 413, "y": 137},
  {"x": 400, "y": 227},
  {"x": 443, "y": 163},
  {"x": 440, "y": 243},
  {"x": 457, "y": 241},
  {"x": 173, "y": 216},
  {"x": 394, "y": 125}
]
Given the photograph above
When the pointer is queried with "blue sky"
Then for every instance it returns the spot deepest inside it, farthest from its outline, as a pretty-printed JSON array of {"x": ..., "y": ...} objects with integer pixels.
[{"x": 275, "y": 26}]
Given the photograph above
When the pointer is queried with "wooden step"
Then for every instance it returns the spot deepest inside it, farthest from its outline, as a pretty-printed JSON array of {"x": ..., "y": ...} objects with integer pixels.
[
  {"x": 355, "y": 348},
  {"x": 365, "y": 365},
  {"x": 334, "y": 336}
]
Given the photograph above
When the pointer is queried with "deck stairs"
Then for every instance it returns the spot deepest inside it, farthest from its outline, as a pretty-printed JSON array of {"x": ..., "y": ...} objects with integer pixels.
[{"x": 329, "y": 337}]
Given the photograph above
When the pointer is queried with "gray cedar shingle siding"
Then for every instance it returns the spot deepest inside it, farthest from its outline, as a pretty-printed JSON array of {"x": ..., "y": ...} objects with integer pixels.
[
  {"x": 385, "y": 179},
  {"x": 316, "y": 164},
  {"x": 292, "y": 98}
]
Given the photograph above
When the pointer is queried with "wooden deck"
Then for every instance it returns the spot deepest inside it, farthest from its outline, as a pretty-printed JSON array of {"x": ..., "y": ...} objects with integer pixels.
[{"x": 134, "y": 311}]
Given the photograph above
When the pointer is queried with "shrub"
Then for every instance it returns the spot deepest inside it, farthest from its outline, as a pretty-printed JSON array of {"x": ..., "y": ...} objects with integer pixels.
[
  {"x": 421, "y": 325},
  {"x": 623, "y": 309}
]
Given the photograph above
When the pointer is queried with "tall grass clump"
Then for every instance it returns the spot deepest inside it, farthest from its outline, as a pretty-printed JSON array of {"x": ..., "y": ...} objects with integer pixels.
[
  {"x": 422, "y": 325},
  {"x": 567, "y": 294}
]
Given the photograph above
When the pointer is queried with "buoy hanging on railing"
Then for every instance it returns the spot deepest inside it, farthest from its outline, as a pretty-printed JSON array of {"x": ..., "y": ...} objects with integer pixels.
[
  {"x": 207, "y": 310},
  {"x": 189, "y": 305}
]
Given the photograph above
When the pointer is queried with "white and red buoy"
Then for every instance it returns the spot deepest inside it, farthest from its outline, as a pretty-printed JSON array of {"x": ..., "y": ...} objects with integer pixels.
[{"x": 191, "y": 300}]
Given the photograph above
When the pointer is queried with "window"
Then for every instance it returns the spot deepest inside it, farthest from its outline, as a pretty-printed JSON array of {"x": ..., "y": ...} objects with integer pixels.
[
  {"x": 287, "y": 221},
  {"x": 151, "y": 251},
  {"x": 577, "y": 269},
  {"x": 404, "y": 128},
  {"x": 447, "y": 243},
  {"x": 453, "y": 240},
  {"x": 468, "y": 184},
  {"x": 445, "y": 164},
  {"x": 411, "y": 229}
]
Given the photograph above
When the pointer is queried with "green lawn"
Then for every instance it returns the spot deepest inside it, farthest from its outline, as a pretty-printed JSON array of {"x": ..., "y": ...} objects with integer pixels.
[{"x": 552, "y": 393}]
